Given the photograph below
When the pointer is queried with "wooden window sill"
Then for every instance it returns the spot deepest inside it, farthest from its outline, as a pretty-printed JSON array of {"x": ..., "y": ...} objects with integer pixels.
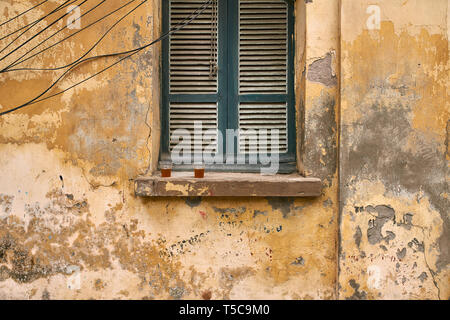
[{"x": 220, "y": 184}]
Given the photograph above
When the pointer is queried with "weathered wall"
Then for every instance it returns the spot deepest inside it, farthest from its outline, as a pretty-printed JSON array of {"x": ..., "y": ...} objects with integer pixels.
[
  {"x": 67, "y": 164},
  {"x": 67, "y": 201},
  {"x": 395, "y": 228}
]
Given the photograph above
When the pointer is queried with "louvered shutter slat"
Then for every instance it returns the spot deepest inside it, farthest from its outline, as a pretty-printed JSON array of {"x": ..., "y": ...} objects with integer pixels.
[
  {"x": 262, "y": 41},
  {"x": 191, "y": 48},
  {"x": 184, "y": 115},
  {"x": 190, "y": 57},
  {"x": 259, "y": 116},
  {"x": 263, "y": 59}
]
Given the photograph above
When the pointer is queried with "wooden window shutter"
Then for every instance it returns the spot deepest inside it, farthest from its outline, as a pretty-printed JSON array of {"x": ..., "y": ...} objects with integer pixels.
[
  {"x": 263, "y": 73},
  {"x": 192, "y": 68},
  {"x": 230, "y": 68}
]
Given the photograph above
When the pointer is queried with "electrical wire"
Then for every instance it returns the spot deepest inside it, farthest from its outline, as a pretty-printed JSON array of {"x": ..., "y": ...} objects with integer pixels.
[
  {"x": 71, "y": 35},
  {"x": 87, "y": 52},
  {"x": 21, "y": 14},
  {"x": 51, "y": 36},
  {"x": 32, "y": 24},
  {"x": 133, "y": 52},
  {"x": 50, "y": 25}
]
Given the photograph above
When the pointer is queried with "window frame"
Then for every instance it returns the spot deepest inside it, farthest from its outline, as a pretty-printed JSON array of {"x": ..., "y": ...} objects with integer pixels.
[{"x": 227, "y": 96}]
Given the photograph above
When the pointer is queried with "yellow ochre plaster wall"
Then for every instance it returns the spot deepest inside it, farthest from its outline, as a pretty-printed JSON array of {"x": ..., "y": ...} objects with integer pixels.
[{"x": 373, "y": 124}]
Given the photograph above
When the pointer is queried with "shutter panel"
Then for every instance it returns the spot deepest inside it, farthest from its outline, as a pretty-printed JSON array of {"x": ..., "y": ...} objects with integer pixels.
[
  {"x": 192, "y": 62},
  {"x": 254, "y": 117},
  {"x": 184, "y": 116},
  {"x": 263, "y": 46},
  {"x": 193, "y": 49},
  {"x": 263, "y": 60}
]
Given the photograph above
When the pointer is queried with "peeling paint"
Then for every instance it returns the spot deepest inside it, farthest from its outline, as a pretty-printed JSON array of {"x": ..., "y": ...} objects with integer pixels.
[{"x": 373, "y": 125}]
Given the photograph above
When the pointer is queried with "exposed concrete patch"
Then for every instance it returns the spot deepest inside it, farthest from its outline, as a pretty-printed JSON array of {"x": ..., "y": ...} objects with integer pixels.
[
  {"x": 417, "y": 168},
  {"x": 322, "y": 72},
  {"x": 407, "y": 221},
  {"x": 384, "y": 214},
  {"x": 321, "y": 138}
]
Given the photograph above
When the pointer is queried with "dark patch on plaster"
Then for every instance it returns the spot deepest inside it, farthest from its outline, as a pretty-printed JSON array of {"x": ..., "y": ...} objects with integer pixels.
[
  {"x": 374, "y": 148},
  {"x": 299, "y": 261},
  {"x": 45, "y": 295},
  {"x": 321, "y": 71},
  {"x": 401, "y": 253},
  {"x": 357, "y": 295},
  {"x": 406, "y": 221},
  {"x": 176, "y": 292},
  {"x": 359, "y": 209},
  {"x": 416, "y": 245},
  {"x": 258, "y": 212},
  {"x": 382, "y": 215},
  {"x": 357, "y": 236},
  {"x": 6, "y": 202},
  {"x": 423, "y": 276},
  {"x": 235, "y": 211},
  {"x": 327, "y": 203},
  {"x": 193, "y": 201},
  {"x": 282, "y": 204},
  {"x": 320, "y": 123},
  {"x": 23, "y": 268},
  {"x": 69, "y": 196}
]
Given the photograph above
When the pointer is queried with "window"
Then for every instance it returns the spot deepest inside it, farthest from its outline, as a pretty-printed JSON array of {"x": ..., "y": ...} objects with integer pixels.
[{"x": 230, "y": 70}]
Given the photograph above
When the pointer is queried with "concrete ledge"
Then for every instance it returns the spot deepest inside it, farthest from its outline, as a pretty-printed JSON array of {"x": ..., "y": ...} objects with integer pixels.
[{"x": 220, "y": 184}]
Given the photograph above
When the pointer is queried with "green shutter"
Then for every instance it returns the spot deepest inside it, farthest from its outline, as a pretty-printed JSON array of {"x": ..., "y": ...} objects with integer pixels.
[
  {"x": 252, "y": 44},
  {"x": 263, "y": 73},
  {"x": 263, "y": 41},
  {"x": 192, "y": 71},
  {"x": 193, "y": 50}
]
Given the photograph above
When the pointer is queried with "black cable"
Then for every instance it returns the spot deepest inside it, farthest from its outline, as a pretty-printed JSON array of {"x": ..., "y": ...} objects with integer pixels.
[
  {"x": 51, "y": 36},
  {"x": 86, "y": 53},
  {"x": 135, "y": 51},
  {"x": 32, "y": 24},
  {"x": 50, "y": 25},
  {"x": 71, "y": 35},
  {"x": 21, "y": 14}
]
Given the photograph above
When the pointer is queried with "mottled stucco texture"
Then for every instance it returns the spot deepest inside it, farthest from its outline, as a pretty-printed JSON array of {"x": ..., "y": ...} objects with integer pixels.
[
  {"x": 67, "y": 201},
  {"x": 395, "y": 227},
  {"x": 376, "y": 133}
]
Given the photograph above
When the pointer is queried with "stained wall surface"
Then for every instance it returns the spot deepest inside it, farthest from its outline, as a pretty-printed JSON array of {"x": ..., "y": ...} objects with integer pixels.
[
  {"x": 394, "y": 156},
  {"x": 372, "y": 118}
]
